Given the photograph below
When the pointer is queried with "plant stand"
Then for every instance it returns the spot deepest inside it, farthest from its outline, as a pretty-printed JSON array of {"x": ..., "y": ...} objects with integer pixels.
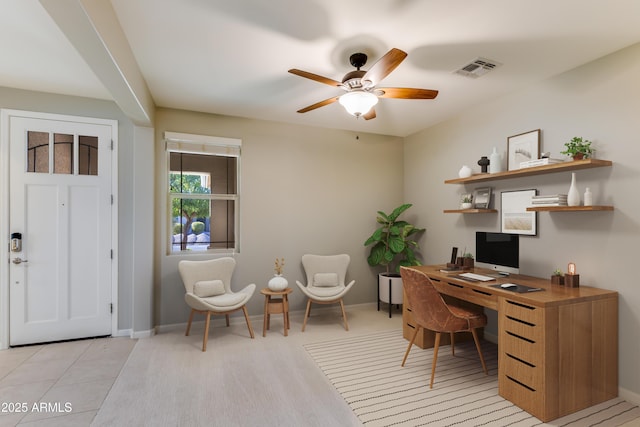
[{"x": 390, "y": 290}]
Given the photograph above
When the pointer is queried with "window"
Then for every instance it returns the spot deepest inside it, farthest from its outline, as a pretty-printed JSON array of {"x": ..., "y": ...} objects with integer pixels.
[{"x": 203, "y": 194}]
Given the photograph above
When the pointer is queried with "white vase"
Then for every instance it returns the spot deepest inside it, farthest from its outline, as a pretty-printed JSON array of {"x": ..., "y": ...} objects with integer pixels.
[
  {"x": 495, "y": 161},
  {"x": 464, "y": 172},
  {"x": 278, "y": 283},
  {"x": 573, "y": 196},
  {"x": 588, "y": 197}
]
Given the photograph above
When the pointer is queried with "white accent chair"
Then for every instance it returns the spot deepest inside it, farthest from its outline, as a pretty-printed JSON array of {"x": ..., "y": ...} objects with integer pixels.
[
  {"x": 325, "y": 281},
  {"x": 208, "y": 286}
]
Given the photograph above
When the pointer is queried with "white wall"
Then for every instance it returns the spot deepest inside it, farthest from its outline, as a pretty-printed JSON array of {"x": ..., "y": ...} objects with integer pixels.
[
  {"x": 599, "y": 101},
  {"x": 303, "y": 190}
]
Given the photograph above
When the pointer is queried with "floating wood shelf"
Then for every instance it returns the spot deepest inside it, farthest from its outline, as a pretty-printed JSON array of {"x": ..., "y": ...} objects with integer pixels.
[
  {"x": 470, "y": 211},
  {"x": 537, "y": 170},
  {"x": 569, "y": 208}
]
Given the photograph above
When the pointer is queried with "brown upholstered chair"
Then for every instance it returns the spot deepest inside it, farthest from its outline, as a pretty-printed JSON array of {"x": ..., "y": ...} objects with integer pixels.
[{"x": 431, "y": 312}]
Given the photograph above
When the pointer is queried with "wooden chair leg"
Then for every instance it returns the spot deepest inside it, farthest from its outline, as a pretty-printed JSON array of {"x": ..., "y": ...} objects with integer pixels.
[
  {"x": 246, "y": 317},
  {"x": 206, "y": 331},
  {"x": 227, "y": 316},
  {"x": 189, "y": 323},
  {"x": 306, "y": 315},
  {"x": 435, "y": 358},
  {"x": 453, "y": 344},
  {"x": 413, "y": 338},
  {"x": 475, "y": 338},
  {"x": 266, "y": 315},
  {"x": 344, "y": 315}
]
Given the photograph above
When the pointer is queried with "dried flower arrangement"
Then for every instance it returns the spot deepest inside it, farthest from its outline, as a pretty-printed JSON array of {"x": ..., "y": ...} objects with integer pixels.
[{"x": 279, "y": 266}]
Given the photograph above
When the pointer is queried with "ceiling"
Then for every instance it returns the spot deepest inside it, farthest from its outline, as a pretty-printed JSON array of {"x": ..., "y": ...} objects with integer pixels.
[{"x": 231, "y": 57}]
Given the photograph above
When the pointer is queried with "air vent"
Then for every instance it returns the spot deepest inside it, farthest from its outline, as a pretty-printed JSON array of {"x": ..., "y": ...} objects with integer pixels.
[{"x": 478, "y": 67}]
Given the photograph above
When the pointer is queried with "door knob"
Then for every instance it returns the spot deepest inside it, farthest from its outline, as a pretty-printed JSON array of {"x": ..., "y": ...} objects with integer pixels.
[{"x": 18, "y": 260}]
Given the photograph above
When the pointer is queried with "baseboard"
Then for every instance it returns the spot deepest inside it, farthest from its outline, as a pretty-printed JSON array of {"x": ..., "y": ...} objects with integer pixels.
[
  {"x": 629, "y": 396},
  {"x": 143, "y": 334},
  {"x": 122, "y": 333}
]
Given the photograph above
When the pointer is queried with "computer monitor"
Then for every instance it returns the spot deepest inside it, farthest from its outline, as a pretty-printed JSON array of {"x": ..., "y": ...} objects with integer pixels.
[{"x": 498, "y": 251}]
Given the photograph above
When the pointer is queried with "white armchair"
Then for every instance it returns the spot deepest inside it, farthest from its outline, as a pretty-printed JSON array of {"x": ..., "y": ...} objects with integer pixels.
[
  {"x": 325, "y": 281},
  {"x": 208, "y": 286}
]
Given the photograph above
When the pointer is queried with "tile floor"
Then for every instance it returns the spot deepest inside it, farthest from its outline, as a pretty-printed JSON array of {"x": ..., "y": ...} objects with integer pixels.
[{"x": 67, "y": 382}]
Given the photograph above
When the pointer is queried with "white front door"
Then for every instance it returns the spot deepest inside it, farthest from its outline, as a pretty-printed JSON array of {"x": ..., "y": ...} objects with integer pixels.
[{"x": 60, "y": 197}]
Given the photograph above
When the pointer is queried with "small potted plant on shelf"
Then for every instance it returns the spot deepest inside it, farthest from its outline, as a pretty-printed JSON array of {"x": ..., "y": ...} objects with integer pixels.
[
  {"x": 578, "y": 148},
  {"x": 467, "y": 201},
  {"x": 557, "y": 278}
]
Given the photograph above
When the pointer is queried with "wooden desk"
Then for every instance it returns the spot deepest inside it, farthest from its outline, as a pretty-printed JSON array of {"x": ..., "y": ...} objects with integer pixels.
[{"x": 557, "y": 348}]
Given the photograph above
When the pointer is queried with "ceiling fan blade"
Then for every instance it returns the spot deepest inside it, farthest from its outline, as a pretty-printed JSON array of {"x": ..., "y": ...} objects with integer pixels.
[
  {"x": 405, "y": 93},
  {"x": 370, "y": 115},
  {"x": 383, "y": 67},
  {"x": 315, "y": 77},
  {"x": 319, "y": 104}
]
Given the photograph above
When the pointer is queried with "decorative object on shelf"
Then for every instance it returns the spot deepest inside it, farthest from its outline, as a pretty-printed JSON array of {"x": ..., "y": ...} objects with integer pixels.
[
  {"x": 483, "y": 162},
  {"x": 482, "y": 198},
  {"x": 588, "y": 197},
  {"x": 557, "y": 278},
  {"x": 573, "y": 196},
  {"x": 277, "y": 282},
  {"x": 572, "y": 278},
  {"x": 464, "y": 172},
  {"x": 522, "y": 148},
  {"x": 578, "y": 148},
  {"x": 466, "y": 202},
  {"x": 515, "y": 218},
  {"x": 495, "y": 161}
]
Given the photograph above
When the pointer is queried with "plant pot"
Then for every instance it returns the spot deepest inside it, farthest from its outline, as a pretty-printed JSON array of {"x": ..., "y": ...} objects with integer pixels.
[
  {"x": 466, "y": 206},
  {"x": 578, "y": 156},
  {"x": 467, "y": 262},
  {"x": 395, "y": 281},
  {"x": 278, "y": 283},
  {"x": 557, "y": 280}
]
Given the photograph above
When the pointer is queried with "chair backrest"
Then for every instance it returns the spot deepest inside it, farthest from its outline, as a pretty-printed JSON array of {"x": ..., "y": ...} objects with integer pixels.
[
  {"x": 428, "y": 308},
  {"x": 326, "y": 264},
  {"x": 192, "y": 272}
]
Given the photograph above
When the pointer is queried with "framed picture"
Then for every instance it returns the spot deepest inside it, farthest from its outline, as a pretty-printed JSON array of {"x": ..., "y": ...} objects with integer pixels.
[
  {"x": 522, "y": 148},
  {"x": 482, "y": 198},
  {"x": 515, "y": 218}
]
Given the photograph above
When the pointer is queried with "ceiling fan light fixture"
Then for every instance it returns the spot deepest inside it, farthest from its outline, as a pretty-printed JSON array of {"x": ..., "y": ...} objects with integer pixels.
[{"x": 358, "y": 102}]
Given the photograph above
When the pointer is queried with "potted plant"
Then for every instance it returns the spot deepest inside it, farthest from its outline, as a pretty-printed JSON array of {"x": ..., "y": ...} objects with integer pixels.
[
  {"x": 578, "y": 148},
  {"x": 467, "y": 260},
  {"x": 467, "y": 202},
  {"x": 393, "y": 246},
  {"x": 557, "y": 278}
]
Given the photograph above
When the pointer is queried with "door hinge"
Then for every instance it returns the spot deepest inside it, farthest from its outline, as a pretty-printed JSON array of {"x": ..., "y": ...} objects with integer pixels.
[
  {"x": 112, "y": 199},
  {"x": 112, "y": 145},
  {"x": 111, "y": 253},
  {"x": 111, "y": 308}
]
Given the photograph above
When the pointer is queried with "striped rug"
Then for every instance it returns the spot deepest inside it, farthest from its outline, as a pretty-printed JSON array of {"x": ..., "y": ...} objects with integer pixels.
[{"x": 366, "y": 371}]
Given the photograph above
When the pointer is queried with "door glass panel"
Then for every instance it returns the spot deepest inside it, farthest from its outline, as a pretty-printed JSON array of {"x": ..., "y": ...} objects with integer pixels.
[
  {"x": 88, "y": 155},
  {"x": 38, "y": 152},
  {"x": 62, "y": 153}
]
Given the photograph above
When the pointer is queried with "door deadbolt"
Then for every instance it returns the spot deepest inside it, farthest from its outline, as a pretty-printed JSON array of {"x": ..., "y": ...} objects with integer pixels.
[{"x": 18, "y": 260}]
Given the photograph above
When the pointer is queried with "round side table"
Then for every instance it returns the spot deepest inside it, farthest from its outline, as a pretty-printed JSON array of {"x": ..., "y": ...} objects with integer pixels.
[{"x": 275, "y": 305}]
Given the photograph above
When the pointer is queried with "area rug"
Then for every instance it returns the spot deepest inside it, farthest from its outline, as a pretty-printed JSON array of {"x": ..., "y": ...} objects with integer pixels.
[{"x": 366, "y": 371}]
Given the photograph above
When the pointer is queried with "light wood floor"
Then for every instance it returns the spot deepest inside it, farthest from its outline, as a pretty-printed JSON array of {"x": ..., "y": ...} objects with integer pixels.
[{"x": 167, "y": 380}]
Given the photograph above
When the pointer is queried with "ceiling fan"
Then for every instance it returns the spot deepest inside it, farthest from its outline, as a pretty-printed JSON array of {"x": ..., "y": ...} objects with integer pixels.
[{"x": 360, "y": 85}]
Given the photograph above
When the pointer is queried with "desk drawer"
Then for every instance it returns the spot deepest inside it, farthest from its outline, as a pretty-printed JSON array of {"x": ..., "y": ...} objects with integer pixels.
[
  {"x": 530, "y": 351},
  {"x": 523, "y": 372},
  {"x": 524, "y": 312},
  {"x": 522, "y": 328},
  {"x": 525, "y": 397}
]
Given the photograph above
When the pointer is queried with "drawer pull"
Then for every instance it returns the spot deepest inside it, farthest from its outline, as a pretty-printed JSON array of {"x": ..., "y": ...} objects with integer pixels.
[
  {"x": 528, "y": 307},
  {"x": 521, "y": 321},
  {"x": 519, "y": 383},
  {"x": 482, "y": 292},
  {"x": 411, "y": 326},
  {"x": 521, "y": 337},
  {"x": 433, "y": 279},
  {"x": 455, "y": 285},
  {"x": 520, "y": 360}
]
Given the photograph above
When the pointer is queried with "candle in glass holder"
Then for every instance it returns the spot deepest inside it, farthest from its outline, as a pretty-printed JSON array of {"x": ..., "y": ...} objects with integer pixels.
[
  {"x": 571, "y": 268},
  {"x": 571, "y": 279}
]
